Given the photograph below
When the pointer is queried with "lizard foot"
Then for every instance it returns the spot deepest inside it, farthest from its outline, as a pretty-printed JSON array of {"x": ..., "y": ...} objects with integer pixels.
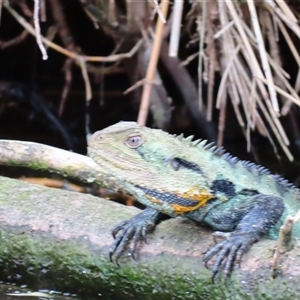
[
  {"x": 128, "y": 234},
  {"x": 229, "y": 253}
]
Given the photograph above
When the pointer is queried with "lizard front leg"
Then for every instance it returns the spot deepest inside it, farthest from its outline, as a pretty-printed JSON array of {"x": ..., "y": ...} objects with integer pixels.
[
  {"x": 262, "y": 216},
  {"x": 129, "y": 233}
]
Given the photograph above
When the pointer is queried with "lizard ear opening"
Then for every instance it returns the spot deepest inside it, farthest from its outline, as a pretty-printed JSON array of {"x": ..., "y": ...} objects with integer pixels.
[
  {"x": 134, "y": 141},
  {"x": 175, "y": 164}
]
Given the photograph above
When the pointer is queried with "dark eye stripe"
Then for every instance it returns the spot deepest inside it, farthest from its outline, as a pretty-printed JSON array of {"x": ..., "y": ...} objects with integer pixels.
[{"x": 177, "y": 163}]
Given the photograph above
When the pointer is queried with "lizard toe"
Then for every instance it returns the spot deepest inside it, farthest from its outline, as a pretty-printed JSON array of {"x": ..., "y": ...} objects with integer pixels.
[
  {"x": 231, "y": 261},
  {"x": 138, "y": 237},
  {"x": 221, "y": 256},
  {"x": 228, "y": 253},
  {"x": 121, "y": 244},
  {"x": 212, "y": 252},
  {"x": 120, "y": 226}
]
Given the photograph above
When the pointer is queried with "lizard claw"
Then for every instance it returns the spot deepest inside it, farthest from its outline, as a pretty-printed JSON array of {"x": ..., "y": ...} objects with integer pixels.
[
  {"x": 128, "y": 235},
  {"x": 228, "y": 253},
  {"x": 118, "y": 228},
  {"x": 129, "y": 238}
]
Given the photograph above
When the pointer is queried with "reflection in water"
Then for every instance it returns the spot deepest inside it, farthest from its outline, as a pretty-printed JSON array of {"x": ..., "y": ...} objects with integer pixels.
[{"x": 7, "y": 293}]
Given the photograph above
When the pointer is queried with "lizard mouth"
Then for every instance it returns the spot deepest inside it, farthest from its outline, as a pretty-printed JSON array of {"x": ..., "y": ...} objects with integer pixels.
[{"x": 113, "y": 160}]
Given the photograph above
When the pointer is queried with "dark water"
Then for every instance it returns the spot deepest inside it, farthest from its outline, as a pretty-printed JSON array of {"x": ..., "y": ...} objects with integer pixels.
[{"x": 10, "y": 292}]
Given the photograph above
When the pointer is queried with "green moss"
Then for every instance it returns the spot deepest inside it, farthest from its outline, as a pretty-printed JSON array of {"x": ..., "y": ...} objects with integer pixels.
[{"x": 34, "y": 165}]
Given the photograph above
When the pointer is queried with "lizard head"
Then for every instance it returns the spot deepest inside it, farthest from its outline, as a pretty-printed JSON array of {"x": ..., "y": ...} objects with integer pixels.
[
  {"x": 139, "y": 154},
  {"x": 152, "y": 160},
  {"x": 131, "y": 151}
]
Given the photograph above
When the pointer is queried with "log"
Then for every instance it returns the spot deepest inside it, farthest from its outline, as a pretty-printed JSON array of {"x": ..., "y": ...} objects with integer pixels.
[{"x": 59, "y": 240}]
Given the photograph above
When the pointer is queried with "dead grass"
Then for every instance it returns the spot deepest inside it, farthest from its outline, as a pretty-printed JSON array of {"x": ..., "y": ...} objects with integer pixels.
[{"x": 244, "y": 48}]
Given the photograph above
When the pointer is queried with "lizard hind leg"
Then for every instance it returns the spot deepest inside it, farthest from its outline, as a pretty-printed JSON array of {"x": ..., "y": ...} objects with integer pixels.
[
  {"x": 250, "y": 226},
  {"x": 130, "y": 233}
]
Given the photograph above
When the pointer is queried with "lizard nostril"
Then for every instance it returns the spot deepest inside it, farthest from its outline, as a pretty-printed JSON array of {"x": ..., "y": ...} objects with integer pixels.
[{"x": 100, "y": 137}]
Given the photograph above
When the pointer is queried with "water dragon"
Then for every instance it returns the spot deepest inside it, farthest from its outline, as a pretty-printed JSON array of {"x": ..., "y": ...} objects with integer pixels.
[{"x": 176, "y": 176}]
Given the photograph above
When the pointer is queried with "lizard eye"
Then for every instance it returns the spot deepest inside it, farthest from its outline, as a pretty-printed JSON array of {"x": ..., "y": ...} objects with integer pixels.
[{"x": 134, "y": 141}]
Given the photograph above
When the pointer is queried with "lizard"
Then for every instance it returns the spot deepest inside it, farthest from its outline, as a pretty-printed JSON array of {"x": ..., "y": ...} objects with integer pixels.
[{"x": 176, "y": 176}]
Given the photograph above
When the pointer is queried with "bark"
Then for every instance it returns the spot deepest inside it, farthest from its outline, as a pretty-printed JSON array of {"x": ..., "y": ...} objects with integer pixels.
[{"x": 55, "y": 239}]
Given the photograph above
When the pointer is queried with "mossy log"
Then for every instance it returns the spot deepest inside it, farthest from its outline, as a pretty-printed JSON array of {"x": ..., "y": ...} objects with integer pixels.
[{"x": 60, "y": 240}]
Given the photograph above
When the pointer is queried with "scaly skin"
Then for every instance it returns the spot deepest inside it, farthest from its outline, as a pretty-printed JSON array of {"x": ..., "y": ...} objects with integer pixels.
[{"x": 174, "y": 176}]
